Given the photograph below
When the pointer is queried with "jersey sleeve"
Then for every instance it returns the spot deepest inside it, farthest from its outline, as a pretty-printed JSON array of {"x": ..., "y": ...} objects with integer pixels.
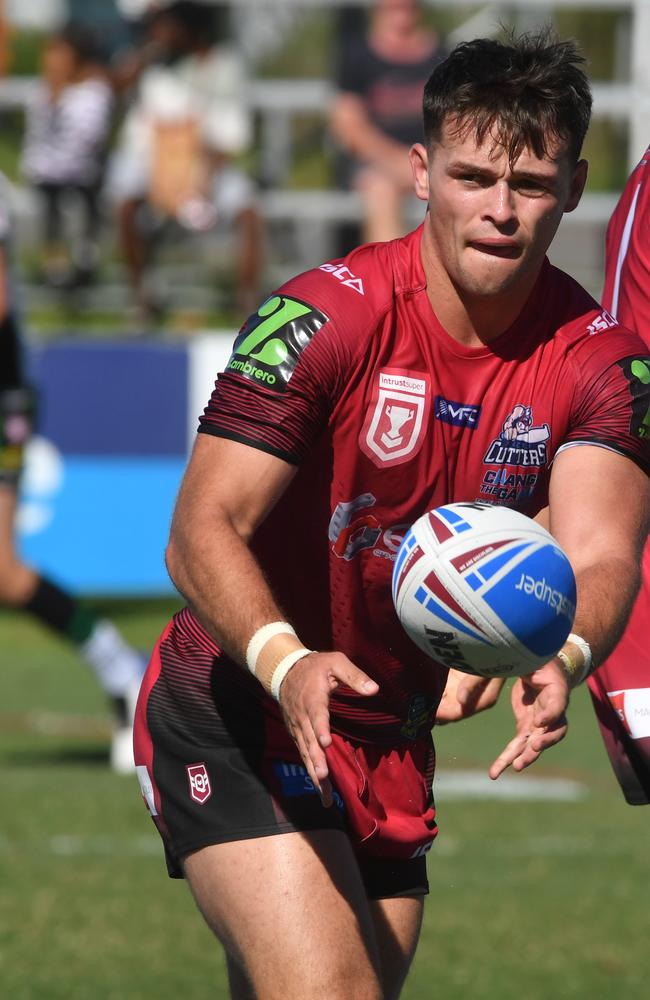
[
  {"x": 611, "y": 402},
  {"x": 288, "y": 367}
]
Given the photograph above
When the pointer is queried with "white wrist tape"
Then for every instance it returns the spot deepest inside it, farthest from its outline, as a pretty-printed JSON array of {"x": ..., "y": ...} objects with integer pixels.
[
  {"x": 271, "y": 653},
  {"x": 585, "y": 649},
  {"x": 283, "y": 668},
  {"x": 261, "y": 637},
  {"x": 576, "y": 671}
]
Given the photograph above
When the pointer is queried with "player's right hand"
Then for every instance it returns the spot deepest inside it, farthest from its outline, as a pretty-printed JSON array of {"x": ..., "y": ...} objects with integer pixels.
[{"x": 304, "y": 700}]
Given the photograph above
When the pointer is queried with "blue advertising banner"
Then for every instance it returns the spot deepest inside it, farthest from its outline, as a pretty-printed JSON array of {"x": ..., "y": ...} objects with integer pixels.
[{"x": 102, "y": 472}]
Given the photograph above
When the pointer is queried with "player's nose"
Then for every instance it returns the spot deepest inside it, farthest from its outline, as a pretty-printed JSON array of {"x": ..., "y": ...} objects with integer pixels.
[{"x": 500, "y": 204}]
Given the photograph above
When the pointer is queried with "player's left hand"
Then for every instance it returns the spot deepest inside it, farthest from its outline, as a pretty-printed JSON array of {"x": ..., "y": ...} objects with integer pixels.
[
  {"x": 465, "y": 695},
  {"x": 539, "y": 703}
]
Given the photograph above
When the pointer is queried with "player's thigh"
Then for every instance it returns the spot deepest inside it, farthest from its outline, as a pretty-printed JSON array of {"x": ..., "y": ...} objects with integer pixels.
[
  {"x": 292, "y": 911},
  {"x": 397, "y": 924}
]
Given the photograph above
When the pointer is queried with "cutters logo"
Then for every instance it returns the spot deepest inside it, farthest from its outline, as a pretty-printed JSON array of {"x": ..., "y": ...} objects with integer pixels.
[
  {"x": 199, "y": 779},
  {"x": 457, "y": 414},
  {"x": 344, "y": 275},
  {"x": 519, "y": 443},
  {"x": 637, "y": 373},
  {"x": 395, "y": 423},
  {"x": 506, "y": 487},
  {"x": 270, "y": 343}
]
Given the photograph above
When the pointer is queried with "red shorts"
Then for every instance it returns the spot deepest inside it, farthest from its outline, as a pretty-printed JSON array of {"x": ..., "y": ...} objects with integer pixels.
[{"x": 216, "y": 764}]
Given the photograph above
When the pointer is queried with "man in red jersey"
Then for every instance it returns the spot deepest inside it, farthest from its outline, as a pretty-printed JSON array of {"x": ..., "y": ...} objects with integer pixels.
[
  {"x": 620, "y": 688},
  {"x": 455, "y": 364}
]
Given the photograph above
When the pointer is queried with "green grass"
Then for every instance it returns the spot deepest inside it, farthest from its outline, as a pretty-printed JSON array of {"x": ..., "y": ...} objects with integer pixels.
[{"x": 529, "y": 900}]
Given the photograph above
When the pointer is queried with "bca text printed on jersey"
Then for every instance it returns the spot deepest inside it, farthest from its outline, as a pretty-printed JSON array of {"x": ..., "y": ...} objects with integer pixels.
[
  {"x": 604, "y": 321},
  {"x": 344, "y": 275}
]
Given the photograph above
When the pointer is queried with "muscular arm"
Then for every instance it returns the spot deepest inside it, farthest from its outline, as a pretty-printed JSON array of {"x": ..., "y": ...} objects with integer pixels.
[
  {"x": 228, "y": 490},
  {"x": 599, "y": 505}
]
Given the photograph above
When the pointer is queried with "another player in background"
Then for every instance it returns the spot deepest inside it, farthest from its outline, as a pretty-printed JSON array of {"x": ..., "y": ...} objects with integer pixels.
[
  {"x": 621, "y": 687},
  {"x": 116, "y": 665},
  {"x": 295, "y": 796}
]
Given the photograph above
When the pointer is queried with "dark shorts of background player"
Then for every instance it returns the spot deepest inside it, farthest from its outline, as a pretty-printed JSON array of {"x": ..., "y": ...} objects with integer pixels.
[{"x": 216, "y": 764}]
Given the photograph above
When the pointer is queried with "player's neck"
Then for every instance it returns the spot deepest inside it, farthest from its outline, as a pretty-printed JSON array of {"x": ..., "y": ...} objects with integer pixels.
[{"x": 471, "y": 320}]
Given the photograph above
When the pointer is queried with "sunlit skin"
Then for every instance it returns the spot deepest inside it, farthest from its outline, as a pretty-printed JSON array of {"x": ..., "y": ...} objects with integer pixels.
[{"x": 489, "y": 226}]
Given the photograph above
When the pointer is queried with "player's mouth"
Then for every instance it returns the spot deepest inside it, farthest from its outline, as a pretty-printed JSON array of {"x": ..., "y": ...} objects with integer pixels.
[{"x": 498, "y": 248}]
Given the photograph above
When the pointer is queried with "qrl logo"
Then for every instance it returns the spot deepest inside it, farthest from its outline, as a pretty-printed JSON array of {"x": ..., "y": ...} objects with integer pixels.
[{"x": 200, "y": 789}]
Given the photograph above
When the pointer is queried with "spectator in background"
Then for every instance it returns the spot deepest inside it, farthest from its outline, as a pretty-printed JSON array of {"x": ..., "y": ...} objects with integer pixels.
[
  {"x": 67, "y": 127},
  {"x": 188, "y": 120},
  {"x": 376, "y": 115},
  {"x": 117, "y": 667}
]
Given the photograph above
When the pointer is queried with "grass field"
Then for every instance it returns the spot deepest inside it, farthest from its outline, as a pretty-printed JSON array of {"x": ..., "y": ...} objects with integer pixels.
[{"x": 531, "y": 899}]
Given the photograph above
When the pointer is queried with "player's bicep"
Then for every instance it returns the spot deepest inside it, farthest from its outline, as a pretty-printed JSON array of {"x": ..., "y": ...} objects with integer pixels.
[
  {"x": 228, "y": 481},
  {"x": 599, "y": 502}
]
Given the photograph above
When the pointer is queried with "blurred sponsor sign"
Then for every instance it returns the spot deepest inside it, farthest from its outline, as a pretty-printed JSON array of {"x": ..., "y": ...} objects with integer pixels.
[{"x": 115, "y": 426}]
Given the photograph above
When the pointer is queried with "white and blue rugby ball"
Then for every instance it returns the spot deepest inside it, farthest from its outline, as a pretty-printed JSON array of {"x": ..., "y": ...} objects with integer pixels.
[{"x": 484, "y": 589}]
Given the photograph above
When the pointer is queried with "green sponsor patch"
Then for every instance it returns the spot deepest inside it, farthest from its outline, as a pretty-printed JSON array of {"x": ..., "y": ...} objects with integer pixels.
[
  {"x": 270, "y": 343},
  {"x": 637, "y": 373}
]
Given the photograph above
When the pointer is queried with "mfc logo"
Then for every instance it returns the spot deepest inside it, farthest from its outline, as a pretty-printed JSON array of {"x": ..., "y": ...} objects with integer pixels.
[
  {"x": 457, "y": 414},
  {"x": 344, "y": 275}
]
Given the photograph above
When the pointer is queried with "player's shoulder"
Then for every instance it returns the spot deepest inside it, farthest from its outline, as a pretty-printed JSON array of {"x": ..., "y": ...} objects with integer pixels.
[
  {"x": 582, "y": 324},
  {"x": 355, "y": 292}
]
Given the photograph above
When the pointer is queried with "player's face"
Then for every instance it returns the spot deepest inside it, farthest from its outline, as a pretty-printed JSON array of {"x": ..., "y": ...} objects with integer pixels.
[{"x": 490, "y": 223}]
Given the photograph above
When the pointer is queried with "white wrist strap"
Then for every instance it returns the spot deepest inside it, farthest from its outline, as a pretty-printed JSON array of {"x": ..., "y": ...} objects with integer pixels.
[
  {"x": 576, "y": 672},
  {"x": 585, "y": 649},
  {"x": 283, "y": 668},
  {"x": 261, "y": 637}
]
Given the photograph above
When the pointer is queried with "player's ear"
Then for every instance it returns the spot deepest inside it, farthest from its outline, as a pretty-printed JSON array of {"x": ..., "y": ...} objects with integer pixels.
[
  {"x": 420, "y": 166},
  {"x": 578, "y": 182}
]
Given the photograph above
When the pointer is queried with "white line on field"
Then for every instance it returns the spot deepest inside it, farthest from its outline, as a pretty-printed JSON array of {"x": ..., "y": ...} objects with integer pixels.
[{"x": 477, "y": 785}]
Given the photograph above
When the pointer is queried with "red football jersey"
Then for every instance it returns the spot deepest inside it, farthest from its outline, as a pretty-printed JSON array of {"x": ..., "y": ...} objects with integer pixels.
[
  {"x": 347, "y": 373},
  {"x": 627, "y": 262},
  {"x": 621, "y": 687}
]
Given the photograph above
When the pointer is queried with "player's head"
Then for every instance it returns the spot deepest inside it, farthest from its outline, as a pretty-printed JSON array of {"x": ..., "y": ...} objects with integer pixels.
[
  {"x": 504, "y": 125},
  {"x": 69, "y": 51},
  {"x": 183, "y": 26},
  {"x": 529, "y": 92}
]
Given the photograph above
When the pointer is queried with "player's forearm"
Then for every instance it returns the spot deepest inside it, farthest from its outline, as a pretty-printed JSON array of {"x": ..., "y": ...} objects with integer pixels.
[
  {"x": 223, "y": 584},
  {"x": 606, "y": 593}
]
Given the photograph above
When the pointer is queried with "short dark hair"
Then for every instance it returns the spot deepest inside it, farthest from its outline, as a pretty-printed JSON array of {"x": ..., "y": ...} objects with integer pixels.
[
  {"x": 83, "y": 40},
  {"x": 524, "y": 92}
]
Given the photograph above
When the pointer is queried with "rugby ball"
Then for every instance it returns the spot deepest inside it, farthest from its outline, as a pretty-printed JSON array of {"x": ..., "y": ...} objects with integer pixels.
[{"x": 484, "y": 589}]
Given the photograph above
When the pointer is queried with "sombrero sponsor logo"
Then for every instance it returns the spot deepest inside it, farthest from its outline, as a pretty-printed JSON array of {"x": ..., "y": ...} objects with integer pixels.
[
  {"x": 542, "y": 591},
  {"x": 271, "y": 342},
  {"x": 246, "y": 368}
]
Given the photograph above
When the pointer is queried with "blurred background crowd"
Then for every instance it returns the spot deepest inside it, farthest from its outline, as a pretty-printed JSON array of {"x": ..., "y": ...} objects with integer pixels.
[{"x": 169, "y": 162}]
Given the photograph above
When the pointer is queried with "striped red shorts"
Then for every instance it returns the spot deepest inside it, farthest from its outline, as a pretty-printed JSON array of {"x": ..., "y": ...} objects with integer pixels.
[{"x": 216, "y": 764}]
